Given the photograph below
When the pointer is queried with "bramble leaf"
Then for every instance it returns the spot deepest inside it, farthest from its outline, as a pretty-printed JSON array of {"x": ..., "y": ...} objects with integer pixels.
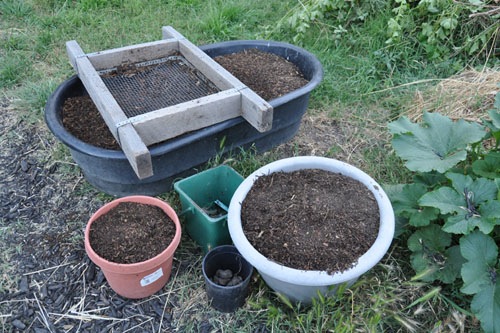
[
  {"x": 497, "y": 183},
  {"x": 486, "y": 306},
  {"x": 430, "y": 178},
  {"x": 431, "y": 238},
  {"x": 494, "y": 124},
  {"x": 481, "y": 253},
  {"x": 437, "y": 144},
  {"x": 393, "y": 191},
  {"x": 495, "y": 114},
  {"x": 423, "y": 217},
  {"x": 461, "y": 224},
  {"x": 451, "y": 271},
  {"x": 479, "y": 190},
  {"x": 486, "y": 217},
  {"x": 491, "y": 210},
  {"x": 468, "y": 204},
  {"x": 459, "y": 181}
]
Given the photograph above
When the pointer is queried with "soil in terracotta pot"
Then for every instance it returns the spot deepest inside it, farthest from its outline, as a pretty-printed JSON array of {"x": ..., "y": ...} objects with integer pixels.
[
  {"x": 267, "y": 74},
  {"x": 310, "y": 219},
  {"x": 131, "y": 232}
]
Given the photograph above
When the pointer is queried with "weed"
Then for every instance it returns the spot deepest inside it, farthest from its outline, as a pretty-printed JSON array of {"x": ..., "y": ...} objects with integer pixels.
[
  {"x": 15, "y": 9},
  {"x": 34, "y": 96},
  {"x": 220, "y": 20},
  {"x": 12, "y": 69}
]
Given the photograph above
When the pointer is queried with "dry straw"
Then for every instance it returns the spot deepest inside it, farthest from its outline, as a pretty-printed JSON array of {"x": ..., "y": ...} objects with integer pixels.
[{"x": 468, "y": 95}]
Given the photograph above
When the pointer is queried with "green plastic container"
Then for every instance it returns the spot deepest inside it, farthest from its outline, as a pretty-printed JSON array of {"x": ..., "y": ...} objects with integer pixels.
[{"x": 205, "y": 198}]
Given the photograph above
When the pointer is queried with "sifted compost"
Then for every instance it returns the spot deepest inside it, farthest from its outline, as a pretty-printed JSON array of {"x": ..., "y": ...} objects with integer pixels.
[
  {"x": 131, "y": 232},
  {"x": 310, "y": 219}
]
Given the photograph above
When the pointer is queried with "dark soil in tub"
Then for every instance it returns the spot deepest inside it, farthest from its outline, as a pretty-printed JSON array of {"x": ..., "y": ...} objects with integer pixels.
[
  {"x": 269, "y": 75},
  {"x": 310, "y": 219},
  {"x": 81, "y": 118},
  {"x": 131, "y": 232}
]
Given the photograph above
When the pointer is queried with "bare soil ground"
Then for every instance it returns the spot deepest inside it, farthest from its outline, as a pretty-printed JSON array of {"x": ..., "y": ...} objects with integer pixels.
[{"x": 48, "y": 284}]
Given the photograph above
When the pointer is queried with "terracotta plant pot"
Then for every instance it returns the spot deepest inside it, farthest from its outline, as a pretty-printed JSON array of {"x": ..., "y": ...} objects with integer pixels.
[
  {"x": 302, "y": 285},
  {"x": 140, "y": 279}
]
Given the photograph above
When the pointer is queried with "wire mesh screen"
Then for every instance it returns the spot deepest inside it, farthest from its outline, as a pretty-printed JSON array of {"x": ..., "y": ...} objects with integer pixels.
[{"x": 153, "y": 85}]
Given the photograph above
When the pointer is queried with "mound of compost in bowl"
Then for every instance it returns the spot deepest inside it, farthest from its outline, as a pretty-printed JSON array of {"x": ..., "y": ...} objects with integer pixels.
[{"x": 310, "y": 219}]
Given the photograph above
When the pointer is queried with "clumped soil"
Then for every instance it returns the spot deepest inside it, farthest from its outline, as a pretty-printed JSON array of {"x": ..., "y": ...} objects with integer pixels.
[
  {"x": 226, "y": 277},
  {"x": 310, "y": 219},
  {"x": 269, "y": 75},
  {"x": 131, "y": 232}
]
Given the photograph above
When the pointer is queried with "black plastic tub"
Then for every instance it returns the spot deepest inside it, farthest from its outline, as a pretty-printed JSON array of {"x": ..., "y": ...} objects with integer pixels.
[{"x": 109, "y": 170}]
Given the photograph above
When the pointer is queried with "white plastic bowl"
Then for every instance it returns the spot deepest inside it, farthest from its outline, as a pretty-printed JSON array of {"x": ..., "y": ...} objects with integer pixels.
[{"x": 301, "y": 285}]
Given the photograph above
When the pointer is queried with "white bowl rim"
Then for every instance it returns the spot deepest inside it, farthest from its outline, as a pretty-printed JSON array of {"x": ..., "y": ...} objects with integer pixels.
[{"x": 302, "y": 277}]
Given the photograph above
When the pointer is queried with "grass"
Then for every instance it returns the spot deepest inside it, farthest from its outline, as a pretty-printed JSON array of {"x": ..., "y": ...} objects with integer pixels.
[
  {"x": 360, "y": 71},
  {"x": 8, "y": 282}
]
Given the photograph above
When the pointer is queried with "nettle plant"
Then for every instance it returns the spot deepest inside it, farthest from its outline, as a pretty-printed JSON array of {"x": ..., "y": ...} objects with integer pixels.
[{"x": 452, "y": 208}]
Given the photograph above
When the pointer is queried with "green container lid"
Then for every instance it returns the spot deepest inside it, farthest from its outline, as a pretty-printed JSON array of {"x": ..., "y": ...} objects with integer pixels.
[{"x": 205, "y": 197}]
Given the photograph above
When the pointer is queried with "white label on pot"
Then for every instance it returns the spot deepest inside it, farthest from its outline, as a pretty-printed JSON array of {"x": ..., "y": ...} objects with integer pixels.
[{"x": 148, "y": 279}]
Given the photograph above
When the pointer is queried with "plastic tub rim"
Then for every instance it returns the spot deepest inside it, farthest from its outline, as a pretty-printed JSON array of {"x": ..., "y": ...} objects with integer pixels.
[{"x": 54, "y": 122}]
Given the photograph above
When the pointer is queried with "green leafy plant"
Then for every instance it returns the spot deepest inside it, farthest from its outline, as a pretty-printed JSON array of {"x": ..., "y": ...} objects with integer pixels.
[
  {"x": 452, "y": 208},
  {"x": 440, "y": 28},
  {"x": 446, "y": 27},
  {"x": 335, "y": 15}
]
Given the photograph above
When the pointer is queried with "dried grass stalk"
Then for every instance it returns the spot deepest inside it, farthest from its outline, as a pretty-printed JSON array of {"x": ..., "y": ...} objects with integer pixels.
[{"x": 468, "y": 95}]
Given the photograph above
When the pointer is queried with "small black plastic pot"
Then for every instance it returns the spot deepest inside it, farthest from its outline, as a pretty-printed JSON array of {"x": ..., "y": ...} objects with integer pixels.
[
  {"x": 109, "y": 170},
  {"x": 226, "y": 298}
]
